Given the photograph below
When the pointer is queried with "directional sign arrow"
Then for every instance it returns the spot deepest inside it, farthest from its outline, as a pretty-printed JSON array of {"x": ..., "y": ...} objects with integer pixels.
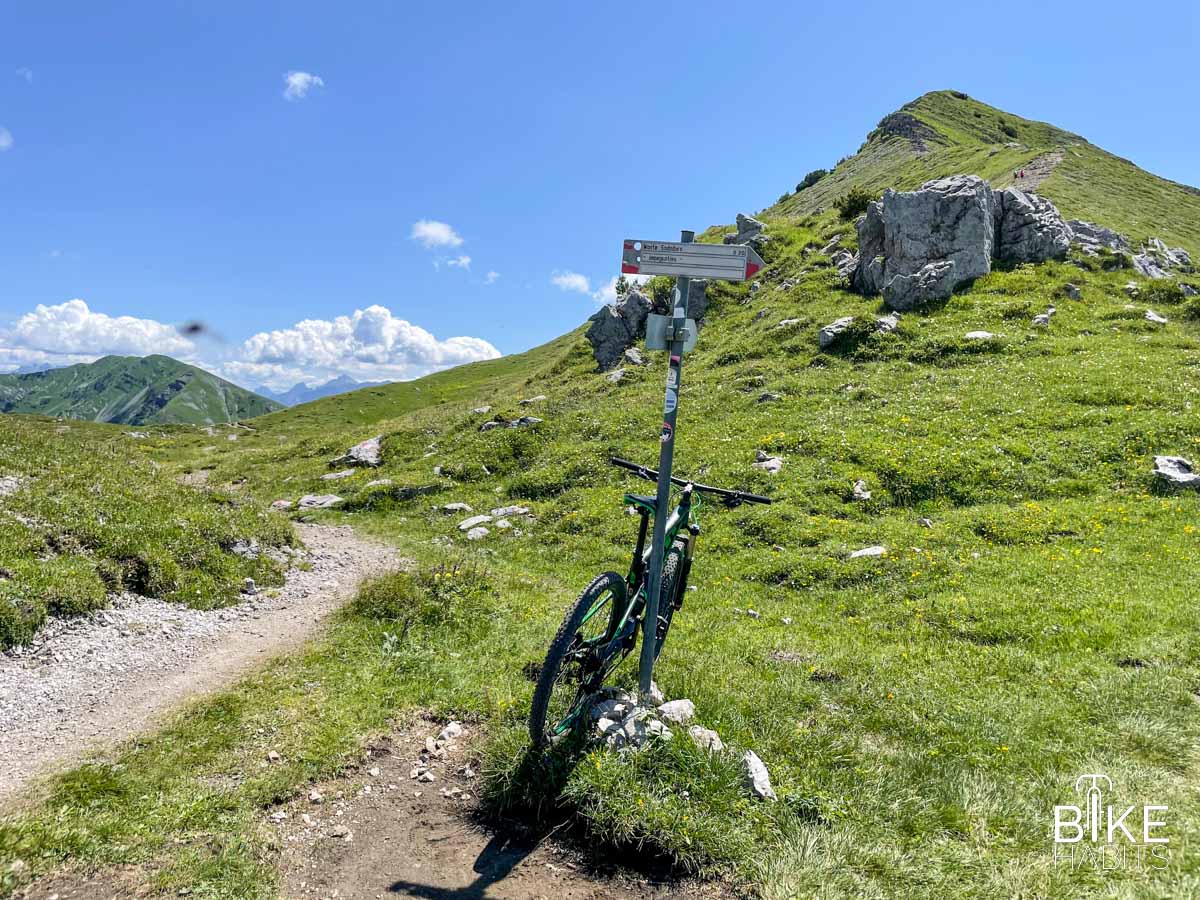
[{"x": 725, "y": 262}]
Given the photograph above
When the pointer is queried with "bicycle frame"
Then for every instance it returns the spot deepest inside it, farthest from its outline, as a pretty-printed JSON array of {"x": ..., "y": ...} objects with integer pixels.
[{"x": 635, "y": 582}]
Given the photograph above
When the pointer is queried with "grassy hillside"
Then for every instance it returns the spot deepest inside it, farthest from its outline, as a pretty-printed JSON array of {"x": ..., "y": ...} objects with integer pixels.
[
  {"x": 84, "y": 513},
  {"x": 1032, "y": 619},
  {"x": 131, "y": 390},
  {"x": 957, "y": 134},
  {"x": 370, "y": 406}
]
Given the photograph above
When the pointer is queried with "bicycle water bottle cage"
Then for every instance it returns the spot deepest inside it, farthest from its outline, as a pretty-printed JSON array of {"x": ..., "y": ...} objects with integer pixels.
[{"x": 647, "y": 505}]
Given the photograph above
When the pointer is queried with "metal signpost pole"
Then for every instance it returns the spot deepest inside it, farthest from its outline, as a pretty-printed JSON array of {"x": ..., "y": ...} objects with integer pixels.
[{"x": 665, "y": 457}]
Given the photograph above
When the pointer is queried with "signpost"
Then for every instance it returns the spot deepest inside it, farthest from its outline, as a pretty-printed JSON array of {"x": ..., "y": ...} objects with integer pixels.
[
  {"x": 685, "y": 260},
  {"x": 725, "y": 262}
]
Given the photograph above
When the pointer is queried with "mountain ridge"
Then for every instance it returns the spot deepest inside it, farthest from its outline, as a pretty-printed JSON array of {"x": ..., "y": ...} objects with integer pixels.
[{"x": 131, "y": 390}]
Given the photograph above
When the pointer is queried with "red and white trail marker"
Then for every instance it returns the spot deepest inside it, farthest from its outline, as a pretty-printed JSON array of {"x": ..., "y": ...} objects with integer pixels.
[{"x": 725, "y": 262}]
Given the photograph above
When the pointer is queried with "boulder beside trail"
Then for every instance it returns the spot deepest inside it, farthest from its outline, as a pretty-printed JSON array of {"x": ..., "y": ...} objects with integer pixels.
[{"x": 615, "y": 328}]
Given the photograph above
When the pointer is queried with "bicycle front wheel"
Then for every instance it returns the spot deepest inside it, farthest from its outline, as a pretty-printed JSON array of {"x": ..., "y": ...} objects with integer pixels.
[{"x": 575, "y": 668}]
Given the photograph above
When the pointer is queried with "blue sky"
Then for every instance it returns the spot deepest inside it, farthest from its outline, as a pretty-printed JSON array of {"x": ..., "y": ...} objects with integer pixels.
[{"x": 155, "y": 167}]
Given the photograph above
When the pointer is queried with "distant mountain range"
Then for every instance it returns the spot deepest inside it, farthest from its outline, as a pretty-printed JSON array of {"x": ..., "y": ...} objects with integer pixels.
[
  {"x": 131, "y": 390},
  {"x": 303, "y": 393}
]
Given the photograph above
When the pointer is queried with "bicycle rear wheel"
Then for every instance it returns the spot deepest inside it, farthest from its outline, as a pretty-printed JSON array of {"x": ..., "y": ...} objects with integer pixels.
[
  {"x": 670, "y": 597},
  {"x": 574, "y": 667}
]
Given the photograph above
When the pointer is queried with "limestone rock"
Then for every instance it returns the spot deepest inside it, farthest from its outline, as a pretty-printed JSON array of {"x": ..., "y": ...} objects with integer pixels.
[
  {"x": 861, "y": 493},
  {"x": 468, "y": 524},
  {"x": 457, "y": 507},
  {"x": 887, "y": 324},
  {"x": 1152, "y": 316},
  {"x": 757, "y": 779},
  {"x": 980, "y": 336},
  {"x": 1176, "y": 472},
  {"x": 1157, "y": 260},
  {"x": 337, "y": 476},
  {"x": 501, "y": 511},
  {"x": 872, "y": 552},
  {"x": 318, "y": 501},
  {"x": 679, "y": 712},
  {"x": 634, "y": 357},
  {"x": 933, "y": 281},
  {"x": 1091, "y": 237},
  {"x": 768, "y": 463},
  {"x": 282, "y": 504},
  {"x": 1029, "y": 228},
  {"x": 748, "y": 228},
  {"x": 614, "y": 328},
  {"x": 366, "y": 453},
  {"x": 531, "y": 400},
  {"x": 616, "y": 376},
  {"x": 828, "y": 335},
  {"x": 477, "y": 534},
  {"x": 933, "y": 240},
  {"x": 706, "y": 739}
]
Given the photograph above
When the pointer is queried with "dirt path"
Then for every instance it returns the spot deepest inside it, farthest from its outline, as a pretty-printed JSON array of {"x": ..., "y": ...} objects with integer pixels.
[
  {"x": 94, "y": 681},
  {"x": 1037, "y": 171}
]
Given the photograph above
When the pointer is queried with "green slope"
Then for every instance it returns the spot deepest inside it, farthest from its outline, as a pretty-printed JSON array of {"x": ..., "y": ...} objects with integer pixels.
[
  {"x": 962, "y": 135},
  {"x": 482, "y": 381},
  {"x": 131, "y": 390}
]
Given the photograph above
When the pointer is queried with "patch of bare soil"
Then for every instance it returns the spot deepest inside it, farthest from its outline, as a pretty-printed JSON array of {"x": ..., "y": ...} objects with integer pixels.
[{"x": 408, "y": 824}]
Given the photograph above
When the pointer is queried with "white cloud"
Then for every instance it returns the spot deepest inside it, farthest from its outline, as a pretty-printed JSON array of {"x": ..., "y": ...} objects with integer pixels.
[
  {"x": 369, "y": 345},
  {"x": 298, "y": 84},
  {"x": 580, "y": 284},
  {"x": 571, "y": 281},
  {"x": 74, "y": 331},
  {"x": 6, "y": 139},
  {"x": 460, "y": 262},
  {"x": 26, "y": 73},
  {"x": 491, "y": 276},
  {"x": 432, "y": 233}
]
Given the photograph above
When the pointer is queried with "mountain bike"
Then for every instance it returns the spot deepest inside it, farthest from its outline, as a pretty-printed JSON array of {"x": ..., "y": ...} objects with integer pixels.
[{"x": 602, "y": 627}]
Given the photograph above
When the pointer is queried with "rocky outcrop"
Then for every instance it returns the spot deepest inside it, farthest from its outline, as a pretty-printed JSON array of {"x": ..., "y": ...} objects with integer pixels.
[
  {"x": 1157, "y": 260},
  {"x": 749, "y": 230},
  {"x": 614, "y": 328},
  {"x": 1028, "y": 228},
  {"x": 1092, "y": 238},
  {"x": 919, "y": 246}
]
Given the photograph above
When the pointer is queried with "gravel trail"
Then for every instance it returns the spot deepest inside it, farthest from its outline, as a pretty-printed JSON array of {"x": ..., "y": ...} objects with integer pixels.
[{"x": 92, "y": 681}]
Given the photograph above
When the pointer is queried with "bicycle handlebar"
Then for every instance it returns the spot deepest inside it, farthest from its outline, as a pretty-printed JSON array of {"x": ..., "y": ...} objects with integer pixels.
[{"x": 652, "y": 475}]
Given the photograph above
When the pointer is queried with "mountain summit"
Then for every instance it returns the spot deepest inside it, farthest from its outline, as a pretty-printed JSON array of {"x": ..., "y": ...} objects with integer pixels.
[
  {"x": 132, "y": 390},
  {"x": 946, "y": 133}
]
